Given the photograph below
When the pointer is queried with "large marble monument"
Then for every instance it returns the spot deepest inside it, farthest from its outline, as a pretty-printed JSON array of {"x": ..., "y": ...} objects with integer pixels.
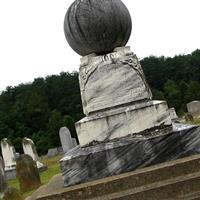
[
  {"x": 123, "y": 129},
  {"x": 30, "y": 149}
]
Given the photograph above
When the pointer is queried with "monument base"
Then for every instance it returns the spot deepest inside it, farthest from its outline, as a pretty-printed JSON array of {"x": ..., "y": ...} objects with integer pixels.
[
  {"x": 120, "y": 122},
  {"x": 129, "y": 153}
]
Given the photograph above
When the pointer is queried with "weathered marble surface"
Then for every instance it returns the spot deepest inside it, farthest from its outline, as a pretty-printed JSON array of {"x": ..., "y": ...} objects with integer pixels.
[
  {"x": 194, "y": 108},
  {"x": 112, "y": 80},
  {"x": 126, "y": 154},
  {"x": 8, "y": 154},
  {"x": 30, "y": 149},
  {"x": 116, "y": 123},
  {"x": 97, "y": 26}
]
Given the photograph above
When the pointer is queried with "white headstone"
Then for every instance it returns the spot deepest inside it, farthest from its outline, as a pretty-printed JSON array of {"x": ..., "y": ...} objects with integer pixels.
[
  {"x": 3, "y": 183},
  {"x": 66, "y": 139},
  {"x": 173, "y": 114},
  {"x": 30, "y": 149},
  {"x": 8, "y": 154},
  {"x": 194, "y": 108}
]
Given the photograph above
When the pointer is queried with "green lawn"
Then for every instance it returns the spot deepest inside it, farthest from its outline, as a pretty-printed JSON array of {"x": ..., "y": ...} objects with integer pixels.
[{"x": 53, "y": 169}]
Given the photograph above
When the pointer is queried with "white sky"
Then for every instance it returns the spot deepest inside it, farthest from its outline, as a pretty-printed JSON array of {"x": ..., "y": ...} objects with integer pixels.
[{"x": 32, "y": 42}]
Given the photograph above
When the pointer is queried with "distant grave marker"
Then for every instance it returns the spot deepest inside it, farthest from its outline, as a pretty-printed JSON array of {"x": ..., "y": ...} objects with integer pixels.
[{"x": 66, "y": 139}]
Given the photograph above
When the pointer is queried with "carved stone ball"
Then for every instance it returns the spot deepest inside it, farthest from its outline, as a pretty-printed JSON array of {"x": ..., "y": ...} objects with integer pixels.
[{"x": 97, "y": 26}]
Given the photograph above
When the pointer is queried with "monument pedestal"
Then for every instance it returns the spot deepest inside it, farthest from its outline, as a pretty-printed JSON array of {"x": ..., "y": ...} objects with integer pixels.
[
  {"x": 120, "y": 122},
  {"x": 129, "y": 153}
]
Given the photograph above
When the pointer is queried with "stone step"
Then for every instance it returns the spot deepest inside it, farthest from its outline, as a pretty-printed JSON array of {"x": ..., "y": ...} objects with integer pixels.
[
  {"x": 171, "y": 189},
  {"x": 153, "y": 177}
]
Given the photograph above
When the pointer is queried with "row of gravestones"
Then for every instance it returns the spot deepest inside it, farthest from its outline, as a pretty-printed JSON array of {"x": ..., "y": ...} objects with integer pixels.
[
  {"x": 10, "y": 156},
  {"x": 27, "y": 174}
]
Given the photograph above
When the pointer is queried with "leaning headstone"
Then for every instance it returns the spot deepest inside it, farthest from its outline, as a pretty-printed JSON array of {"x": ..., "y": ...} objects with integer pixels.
[
  {"x": 194, "y": 108},
  {"x": 8, "y": 154},
  {"x": 3, "y": 183},
  {"x": 173, "y": 114},
  {"x": 30, "y": 149},
  {"x": 12, "y": 194},
  {"x": 66, "y": 139},
  {"x": 27, "y": 173}
]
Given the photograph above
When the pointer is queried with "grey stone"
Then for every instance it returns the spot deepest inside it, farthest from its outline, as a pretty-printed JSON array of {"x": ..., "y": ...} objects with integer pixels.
[
  {"x": 112, "y": 80},
  {"x": 30, "y": 149},
  {"x": 3, "y": 183},
  {"x": 52, "y": 152},
  {"x": 194, "y": 108},
  {"x": 27, "y": 173},
  {"x": 173, "y": 114},
  {"x": 66, "y": 139},
  {"x": 127, "y": 154},
  {"x": 97, "y": 26}
]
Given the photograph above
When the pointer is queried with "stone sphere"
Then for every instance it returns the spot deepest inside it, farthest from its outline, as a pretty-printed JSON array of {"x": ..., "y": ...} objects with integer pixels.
[{"x": 97, "y": 26}]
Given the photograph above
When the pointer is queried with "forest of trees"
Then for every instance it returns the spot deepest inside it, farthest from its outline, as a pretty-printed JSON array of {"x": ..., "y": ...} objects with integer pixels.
[{"x": 38, "y": 110}]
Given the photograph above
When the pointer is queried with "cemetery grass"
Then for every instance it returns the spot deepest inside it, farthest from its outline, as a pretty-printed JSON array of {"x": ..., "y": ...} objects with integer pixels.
[{"x": 53, "y": 169}]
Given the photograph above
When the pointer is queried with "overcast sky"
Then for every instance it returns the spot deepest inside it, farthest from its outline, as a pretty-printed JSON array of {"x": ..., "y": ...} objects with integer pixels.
[{"x": 32, "y": 42}]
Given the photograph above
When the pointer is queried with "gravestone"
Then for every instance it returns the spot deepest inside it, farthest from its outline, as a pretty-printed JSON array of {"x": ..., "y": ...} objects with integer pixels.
[
  {"x": 194, "y": 108},
  {"x": 66, "y": 139},
  {"x": 3, "y": 183},
  {"x": 27, "y": 173},
  {"x": 8, "y": 153},
  {"x": 30, "y": 149},
  {"x": 12, "y": 194},
  {"x": 173, "y": 114},
  {"x": 52, "y": 152}
]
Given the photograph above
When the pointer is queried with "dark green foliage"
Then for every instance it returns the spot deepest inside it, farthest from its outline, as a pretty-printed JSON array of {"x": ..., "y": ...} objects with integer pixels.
[{"x": 38, "y": 110}]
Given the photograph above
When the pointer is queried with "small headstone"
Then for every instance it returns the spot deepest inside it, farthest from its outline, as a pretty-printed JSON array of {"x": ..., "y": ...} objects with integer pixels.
[
  {"x": 8, "y": 154},
  {"x": 194, "y": 108},
  {"x": 52, "y": 152},
  {"x": 3, "y": 183},
  {"x": 12, "y": 194},
  {"x": 173, "y": 114},
  {"x": 30, "y": 149},
  {"x": 66, "y": 139},
  {"x": 27, "y": 173}
]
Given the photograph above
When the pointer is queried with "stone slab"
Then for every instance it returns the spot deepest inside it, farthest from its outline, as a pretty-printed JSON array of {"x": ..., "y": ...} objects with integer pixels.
[
  {"x": 120, "y": 183},
  {"x": 129, "y": 153},
  {"x": 112, "y": 80},
  {"x": 123, "y": 121}
]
